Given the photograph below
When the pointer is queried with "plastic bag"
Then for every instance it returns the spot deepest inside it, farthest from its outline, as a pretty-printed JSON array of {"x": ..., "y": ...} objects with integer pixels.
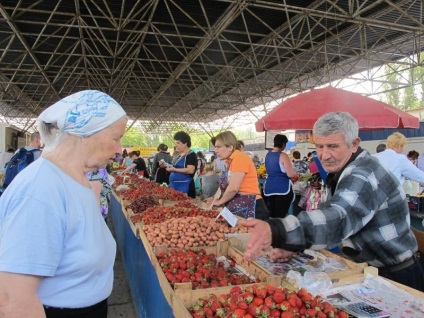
[{"x": 314, "y": 282}]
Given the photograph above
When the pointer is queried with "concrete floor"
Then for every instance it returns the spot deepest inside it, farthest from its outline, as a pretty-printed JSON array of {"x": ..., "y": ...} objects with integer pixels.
[{"x": 120, "y": 302}]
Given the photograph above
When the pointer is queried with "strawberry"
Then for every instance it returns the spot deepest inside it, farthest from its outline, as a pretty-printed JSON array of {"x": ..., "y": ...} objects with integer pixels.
[
  {"x": 214, "y": 305},
  {"x": 287, "y": 314},
  {"x": 238, "y": 313},
  {"x": 258, "y": 301},
  {"x": 270, "y": 289},
  {"x": 269, "y": 302},
  {"x": 233, "y": 264},
  {"x": 265, "y": 311},
  {"x": 236, "y": 290},
  {"x": 311, "y": 312},
  {"x": 208, "y": 312},
  {"x": 342, "y": 314},
  {"x": 220, "y": 312},
  {"x": 275, "y": 313},
  {"x": 278, "y": 296},
  {"x": 242, "y": 305},
  {"x": 284, "y": 305},
  {"x": 247, "y": 297},
  {"x": 261, "y": 293},
  {"x": 320, "y": 314},
  {"x": 253, "y": 310}
]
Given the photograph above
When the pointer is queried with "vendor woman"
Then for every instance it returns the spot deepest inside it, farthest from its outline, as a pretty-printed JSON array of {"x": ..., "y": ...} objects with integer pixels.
[{"x": 183, "y": 165}]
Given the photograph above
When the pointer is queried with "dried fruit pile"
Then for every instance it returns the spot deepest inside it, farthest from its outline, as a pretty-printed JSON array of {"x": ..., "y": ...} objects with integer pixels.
[
  {"x": 159, "y": 214},
  {"x": 268, "y": 301},
  {"x": 189, "y": 231},
  {"x": 142, "y": 203},
  {"x": 201, "y": 269}
]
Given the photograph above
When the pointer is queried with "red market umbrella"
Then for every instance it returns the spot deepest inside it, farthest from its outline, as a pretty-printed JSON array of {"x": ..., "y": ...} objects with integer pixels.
[{"x": 302, "y": 111}]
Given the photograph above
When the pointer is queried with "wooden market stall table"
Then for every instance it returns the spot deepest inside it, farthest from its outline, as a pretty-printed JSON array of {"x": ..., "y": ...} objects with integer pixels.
[{"x": 147, "y": 294}]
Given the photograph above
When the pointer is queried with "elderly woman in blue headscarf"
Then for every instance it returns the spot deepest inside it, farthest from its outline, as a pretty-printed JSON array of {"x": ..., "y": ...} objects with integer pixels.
[{"x": 56, "y": 251}]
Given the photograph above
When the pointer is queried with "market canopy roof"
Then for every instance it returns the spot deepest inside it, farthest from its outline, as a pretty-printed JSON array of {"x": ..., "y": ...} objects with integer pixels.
[
  {"x": 302, "y": 111},
  {"x": 193, "y": 61}
]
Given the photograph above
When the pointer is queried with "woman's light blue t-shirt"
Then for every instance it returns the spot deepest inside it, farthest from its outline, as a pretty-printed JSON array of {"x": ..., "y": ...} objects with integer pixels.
[{"x": 51, "y": 226}]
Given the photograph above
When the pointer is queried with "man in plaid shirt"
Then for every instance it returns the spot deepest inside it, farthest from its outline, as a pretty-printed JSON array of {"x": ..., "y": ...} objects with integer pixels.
[{"x": 364, "y": 210}]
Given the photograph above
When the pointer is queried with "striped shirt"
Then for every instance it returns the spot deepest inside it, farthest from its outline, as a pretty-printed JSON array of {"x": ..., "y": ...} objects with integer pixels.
[{"x": 368, "y": 215}]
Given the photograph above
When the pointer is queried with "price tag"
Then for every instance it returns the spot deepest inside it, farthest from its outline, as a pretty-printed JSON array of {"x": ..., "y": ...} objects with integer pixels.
[{"x": 228, "y": 216}]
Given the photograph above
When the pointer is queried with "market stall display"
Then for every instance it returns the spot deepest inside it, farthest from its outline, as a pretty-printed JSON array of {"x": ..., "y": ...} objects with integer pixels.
[{"x": 171, "y": 234}]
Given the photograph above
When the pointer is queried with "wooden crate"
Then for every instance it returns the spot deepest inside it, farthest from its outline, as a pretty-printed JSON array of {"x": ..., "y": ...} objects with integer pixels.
[
  {"x": 239, "y": 242},
  {"x": 184, "y": 291}
]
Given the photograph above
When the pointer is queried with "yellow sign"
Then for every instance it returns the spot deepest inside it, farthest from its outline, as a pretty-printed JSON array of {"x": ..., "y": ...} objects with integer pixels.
[{"x": 146, "y": 151}]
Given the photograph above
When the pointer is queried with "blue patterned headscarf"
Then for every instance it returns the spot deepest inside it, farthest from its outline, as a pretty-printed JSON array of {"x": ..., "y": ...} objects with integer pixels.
[{"x": 82, "y": 114}]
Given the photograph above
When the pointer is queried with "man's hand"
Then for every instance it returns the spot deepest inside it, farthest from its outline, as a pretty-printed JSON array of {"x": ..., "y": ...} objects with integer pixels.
[
  {"x": 278, "y": 254},
  {"x": 260, "y": 238}
]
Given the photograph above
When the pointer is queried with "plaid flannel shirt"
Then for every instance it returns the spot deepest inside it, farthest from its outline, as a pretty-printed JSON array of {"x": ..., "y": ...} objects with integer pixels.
[{"x": 368, "y": 215}]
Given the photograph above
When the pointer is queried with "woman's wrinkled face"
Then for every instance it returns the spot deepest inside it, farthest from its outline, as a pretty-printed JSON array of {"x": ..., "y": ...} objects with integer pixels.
[
  {"x": 222, "y": 151},
  {"x": 105, "y": 144},
  {"x": 180, "y": 147}
]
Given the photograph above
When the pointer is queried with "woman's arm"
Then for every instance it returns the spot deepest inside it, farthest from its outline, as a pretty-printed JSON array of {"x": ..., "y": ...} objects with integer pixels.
[
  {"x": 130, "y": 167},
  {"x": 18, "y": 296},
  {"x": 285, "y": 161},
  {"x": 232, "y": 188}
]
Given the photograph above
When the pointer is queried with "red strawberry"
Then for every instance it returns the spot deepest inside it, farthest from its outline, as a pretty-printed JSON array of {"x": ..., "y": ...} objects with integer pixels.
[
  {"x": 258, "y": 301},
  {"x": 233, "y": 264},
  {"x": 247, "y": 297},
  {"x": 342, "y": 314},
  {"x": 320, "y": 314},
  {"x": 287, "y": 314},
  {"x": 242, "y": 305},
  {"x": 215, "y": 305},
  {"x": 236, "y": 290},
  {"x": 253, "y": 310},
  {"x": 261, "y": 293},
  {"x": 265, "y": 311},
  {"x": 270, "y": 289},
  {"x": 275, "y": 313},
  {"x": 238, "y": 313},
  {"x": 278, "y": 297},
  {"x": 311, "y": 312},
  {"x": 269, "y": 302},
  {"x": 208, "y": 312},
  {"x": 284, "y": 305}
]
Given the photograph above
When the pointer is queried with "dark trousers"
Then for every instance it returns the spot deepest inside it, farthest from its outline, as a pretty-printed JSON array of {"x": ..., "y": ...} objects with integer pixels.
[
  {"x": 261, "y": 210},
  {"x": 279, "y": 205},
  {"x": 98, "y": 310},
  {"x": 412, "y": 276}
]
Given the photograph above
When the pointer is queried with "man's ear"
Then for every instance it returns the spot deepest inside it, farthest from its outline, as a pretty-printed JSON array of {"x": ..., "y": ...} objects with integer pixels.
[{"x": 355, "y": 144}]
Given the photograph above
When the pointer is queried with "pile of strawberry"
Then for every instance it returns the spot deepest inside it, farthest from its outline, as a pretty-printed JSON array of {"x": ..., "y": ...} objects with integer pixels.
[
  {"x": 264, "y": 302},
  {"x": 158, "y": 214},
  {"x": 200, "y": 268}
]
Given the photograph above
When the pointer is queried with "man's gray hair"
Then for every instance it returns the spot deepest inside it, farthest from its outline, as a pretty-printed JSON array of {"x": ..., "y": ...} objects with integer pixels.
[{"x": 337, "y": 122}]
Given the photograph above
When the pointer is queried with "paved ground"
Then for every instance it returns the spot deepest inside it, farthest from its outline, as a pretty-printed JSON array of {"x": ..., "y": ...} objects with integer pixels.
[{"x": 120, "y": 302}]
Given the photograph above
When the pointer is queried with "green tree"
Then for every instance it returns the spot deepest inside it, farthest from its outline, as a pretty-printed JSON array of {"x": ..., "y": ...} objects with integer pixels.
[{"x": 391, "y": 86}]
